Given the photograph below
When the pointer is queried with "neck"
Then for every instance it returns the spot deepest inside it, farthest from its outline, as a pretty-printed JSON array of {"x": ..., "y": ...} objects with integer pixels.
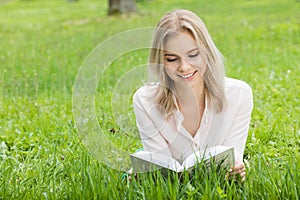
[{"x": 191, "y": 96}]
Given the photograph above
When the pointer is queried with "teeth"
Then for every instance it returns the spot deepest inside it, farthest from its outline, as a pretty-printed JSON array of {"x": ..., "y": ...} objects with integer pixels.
[{"x": 187, "y": 76}]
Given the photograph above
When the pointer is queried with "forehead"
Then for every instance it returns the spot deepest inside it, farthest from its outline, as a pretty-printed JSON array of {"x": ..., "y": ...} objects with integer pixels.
[{"x": 180, "y": 43}]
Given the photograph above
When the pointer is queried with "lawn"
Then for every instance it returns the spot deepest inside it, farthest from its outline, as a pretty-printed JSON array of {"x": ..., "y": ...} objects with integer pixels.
[{"x": 44, "y": 44}]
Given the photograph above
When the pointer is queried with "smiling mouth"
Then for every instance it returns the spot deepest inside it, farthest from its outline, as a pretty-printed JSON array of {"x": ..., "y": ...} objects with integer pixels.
[{"x": 188, "y": 75}]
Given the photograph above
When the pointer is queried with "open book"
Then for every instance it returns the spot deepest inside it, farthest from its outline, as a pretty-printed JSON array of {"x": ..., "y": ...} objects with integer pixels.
[{"x": 144, "y": 161}]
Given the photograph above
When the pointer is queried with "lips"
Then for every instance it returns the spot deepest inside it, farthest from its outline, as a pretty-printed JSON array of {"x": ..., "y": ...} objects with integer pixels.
[{"x": 187, "y": 76}]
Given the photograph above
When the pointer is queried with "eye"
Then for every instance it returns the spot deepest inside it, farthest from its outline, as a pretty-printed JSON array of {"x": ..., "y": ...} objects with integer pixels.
[
  {"x": 194, "y": 55},
  {"x": 171, "y": 59}
]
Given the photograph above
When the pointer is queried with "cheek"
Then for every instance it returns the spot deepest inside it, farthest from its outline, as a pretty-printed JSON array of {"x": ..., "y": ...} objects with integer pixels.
[
  {"x": 200, "y": 65},
  {"x": 170, "y": 72},
  {"x": 202, "y": 69}
]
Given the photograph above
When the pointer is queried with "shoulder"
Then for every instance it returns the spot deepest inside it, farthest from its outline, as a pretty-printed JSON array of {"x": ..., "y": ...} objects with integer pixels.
[
  {"x": 145, "y": 93},
  {"x": 238, "y": 94},
  {"x": 235, "y": 86}
]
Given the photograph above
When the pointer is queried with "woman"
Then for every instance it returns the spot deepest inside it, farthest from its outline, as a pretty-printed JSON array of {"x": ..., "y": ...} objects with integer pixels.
[{"x": 193, "y": 105}]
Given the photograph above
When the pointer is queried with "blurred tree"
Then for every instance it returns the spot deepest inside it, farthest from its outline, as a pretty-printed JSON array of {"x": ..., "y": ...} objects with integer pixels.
[{"x": 121, "y": 6}]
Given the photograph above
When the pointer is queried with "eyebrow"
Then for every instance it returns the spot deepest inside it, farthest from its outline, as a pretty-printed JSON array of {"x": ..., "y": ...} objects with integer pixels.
[
  {"x": 193, "y": 50},
  {"x": 170, "y": 54}
]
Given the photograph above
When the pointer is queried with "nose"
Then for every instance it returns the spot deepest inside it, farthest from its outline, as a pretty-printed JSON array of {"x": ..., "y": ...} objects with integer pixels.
[{"x": 184, "y": 65}]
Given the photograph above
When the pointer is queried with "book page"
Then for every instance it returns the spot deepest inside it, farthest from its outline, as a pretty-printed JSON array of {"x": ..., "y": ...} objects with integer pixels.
[
  {"x": 225, "y": 158},
  {"x": 219, "y": 153},
  {"x": 144, "y": 161}
]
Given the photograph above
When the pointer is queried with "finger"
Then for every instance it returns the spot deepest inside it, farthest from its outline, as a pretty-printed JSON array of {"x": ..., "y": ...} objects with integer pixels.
[
  {"x": 244, "y": 178},
  {"x": 239, "y": 166},
  {"x": 239, "y": 171},
  {"x": 240, "y": 177},
  {"x": 243, "y": 174},
  {"x": 130, "y": 171}
]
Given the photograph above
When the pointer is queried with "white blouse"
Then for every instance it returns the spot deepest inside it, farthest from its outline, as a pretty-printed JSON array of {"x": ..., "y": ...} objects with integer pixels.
[{"x": 228, "y": 128}]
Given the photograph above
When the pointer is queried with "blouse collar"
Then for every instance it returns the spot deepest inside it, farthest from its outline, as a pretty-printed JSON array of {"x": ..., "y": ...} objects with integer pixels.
[{"x": 179, "y": 116}]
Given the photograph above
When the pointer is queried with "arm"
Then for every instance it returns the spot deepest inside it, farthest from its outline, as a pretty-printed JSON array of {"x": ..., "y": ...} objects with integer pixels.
[
  {"x": 145, "y": 114},
  {"x": 239, "y": 130}
]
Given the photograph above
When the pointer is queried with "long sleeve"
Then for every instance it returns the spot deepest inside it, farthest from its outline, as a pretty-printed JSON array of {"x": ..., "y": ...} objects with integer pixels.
[
  {"x": 238, "y": 131},
  {"x": 146, "y": 112}
]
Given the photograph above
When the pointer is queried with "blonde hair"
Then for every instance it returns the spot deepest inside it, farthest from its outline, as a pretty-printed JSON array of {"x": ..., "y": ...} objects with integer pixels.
[{"x": 180, "y": 21}]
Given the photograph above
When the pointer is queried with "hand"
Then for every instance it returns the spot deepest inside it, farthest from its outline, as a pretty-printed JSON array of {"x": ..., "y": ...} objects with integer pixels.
[
  {"x": 129, "y": 175},
  {"x": 238, "y": 171}
]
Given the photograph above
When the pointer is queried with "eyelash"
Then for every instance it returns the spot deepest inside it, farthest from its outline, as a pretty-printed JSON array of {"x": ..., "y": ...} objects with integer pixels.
[
  {"x": 171, "y": 59},
  {"x": 194, "y": 55},
  {"x": 175, "y": 59}
]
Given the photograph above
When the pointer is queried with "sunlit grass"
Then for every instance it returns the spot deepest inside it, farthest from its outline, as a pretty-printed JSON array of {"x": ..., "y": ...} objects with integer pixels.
[{"x": 43, "y": 44}]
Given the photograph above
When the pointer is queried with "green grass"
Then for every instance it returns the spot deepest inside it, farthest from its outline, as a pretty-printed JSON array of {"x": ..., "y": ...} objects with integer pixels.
[{"x": 43, "y": 44}]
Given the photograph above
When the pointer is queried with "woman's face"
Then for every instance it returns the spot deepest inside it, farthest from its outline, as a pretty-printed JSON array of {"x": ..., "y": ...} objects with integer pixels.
[{"x": 182, "y": 60}]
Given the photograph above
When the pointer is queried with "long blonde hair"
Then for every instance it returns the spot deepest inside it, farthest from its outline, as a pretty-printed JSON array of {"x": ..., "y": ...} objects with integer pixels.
[{"x": 179, "y": 21}]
